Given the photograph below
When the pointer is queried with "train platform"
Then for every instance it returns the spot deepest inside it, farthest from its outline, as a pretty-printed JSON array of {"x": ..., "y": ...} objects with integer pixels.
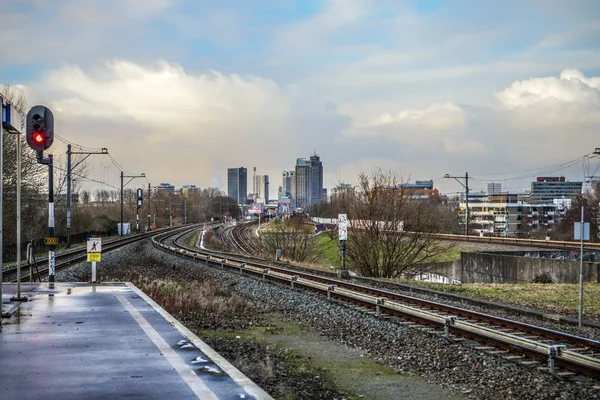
[{"x": 106, "y": 341}]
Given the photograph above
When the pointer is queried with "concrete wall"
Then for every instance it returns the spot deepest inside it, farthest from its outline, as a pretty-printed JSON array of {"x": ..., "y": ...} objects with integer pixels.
[
  {"x": 495, "y": 268},
  {"x": 502, "y": 268}
]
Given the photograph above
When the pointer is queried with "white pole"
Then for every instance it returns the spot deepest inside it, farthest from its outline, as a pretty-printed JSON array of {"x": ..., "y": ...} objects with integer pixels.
[
  {"x": 93, "y": 271},
  {"x": 581, "y": 271}
]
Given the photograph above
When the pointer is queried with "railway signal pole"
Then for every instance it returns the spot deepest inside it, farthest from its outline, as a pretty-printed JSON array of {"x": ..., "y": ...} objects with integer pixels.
[
  {"x": 466, "y": 186},
  {"x": 142, "y": 175}
]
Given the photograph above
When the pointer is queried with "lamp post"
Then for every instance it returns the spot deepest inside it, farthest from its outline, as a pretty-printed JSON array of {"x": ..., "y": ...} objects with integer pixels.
[{"x": 122, "y": 186}]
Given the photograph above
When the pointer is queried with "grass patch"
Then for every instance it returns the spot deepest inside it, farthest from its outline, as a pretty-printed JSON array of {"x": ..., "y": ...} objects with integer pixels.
[
  {"x": 193, "y": 239},
  {"x": 329, "y": 250},
  {"x": 561, "y": 298}
]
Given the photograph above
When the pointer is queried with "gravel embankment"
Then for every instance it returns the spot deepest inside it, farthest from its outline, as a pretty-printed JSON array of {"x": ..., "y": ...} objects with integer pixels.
[{"x": 460, "y": 368}]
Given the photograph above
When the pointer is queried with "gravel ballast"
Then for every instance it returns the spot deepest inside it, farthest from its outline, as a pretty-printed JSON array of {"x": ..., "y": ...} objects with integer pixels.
[{"x": 460, "y": 368}]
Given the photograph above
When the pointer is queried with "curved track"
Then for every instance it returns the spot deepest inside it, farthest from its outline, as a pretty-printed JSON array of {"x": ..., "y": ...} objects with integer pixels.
[{"x": 565, "y": 354}]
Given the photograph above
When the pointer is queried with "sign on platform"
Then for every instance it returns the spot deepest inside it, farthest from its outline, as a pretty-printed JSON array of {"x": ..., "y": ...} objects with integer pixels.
[
  {"x": 94, "y": 245},
  {"x": 343, "y": 226},
  {"x": 94, "y": 257},
  {"x": 586, "y": 231}
]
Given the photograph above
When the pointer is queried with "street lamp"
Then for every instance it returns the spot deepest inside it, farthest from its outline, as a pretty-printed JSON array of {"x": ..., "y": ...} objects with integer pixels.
[{"x": 122, "y": 186}]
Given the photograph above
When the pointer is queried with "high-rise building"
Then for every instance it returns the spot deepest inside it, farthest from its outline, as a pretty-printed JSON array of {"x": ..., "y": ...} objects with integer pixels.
[
  {"x": 237, "y": 184},
  {"x": 546, "y": 189},
  {"x": 286, "y": 183},
  {"x": 293, "y": 188},
  {"x": 302, "y": 198},
  {"x": 493, "y": 188},
  {"x": 261, "y": 187},
  {"x": 315, "y": 180}
]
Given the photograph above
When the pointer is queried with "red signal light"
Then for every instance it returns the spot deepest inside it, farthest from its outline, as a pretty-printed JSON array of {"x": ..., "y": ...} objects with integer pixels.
[{"x": 38, "y": 138}]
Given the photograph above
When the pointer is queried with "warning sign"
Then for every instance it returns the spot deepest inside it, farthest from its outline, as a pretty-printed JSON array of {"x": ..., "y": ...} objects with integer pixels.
[
  {"x": 94, "y": 257},
  {"x": 94, "y": 245}
]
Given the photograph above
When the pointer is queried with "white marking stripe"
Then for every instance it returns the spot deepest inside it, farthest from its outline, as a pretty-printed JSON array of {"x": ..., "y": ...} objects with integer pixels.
[
  {"x": 250, "y": 387},
  {"x": 184, "y": 370}
]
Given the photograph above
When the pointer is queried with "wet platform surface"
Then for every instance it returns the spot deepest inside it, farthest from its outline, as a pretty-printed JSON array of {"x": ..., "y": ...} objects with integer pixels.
[{"x": 107, "y": 341}]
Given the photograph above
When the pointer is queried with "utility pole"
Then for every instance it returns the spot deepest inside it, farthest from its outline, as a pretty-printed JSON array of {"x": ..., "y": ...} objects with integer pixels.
[
  {"x": 149, "y": 226},
  {"x": 69, "y": 172},
  {"x": 170, "y": 210},
  {"x": 122, "y": 186},
  {"x": 185, "y": 210},
  {"x": 466, "y": 186}
]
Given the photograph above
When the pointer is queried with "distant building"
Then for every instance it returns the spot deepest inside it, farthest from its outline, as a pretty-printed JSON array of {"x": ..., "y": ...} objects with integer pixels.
[
  {"x": 167, "y": 186},
  {"x": 546, "y": 189},
  {"x": 187, "y": 189},
  {"x": 286, "y": 183},
  {"x": 324, "y": 194},
  {"x": 237, "y": 184},
  {"x": 306, "y": 182},
  {"x": 493, "y": 188},
  {"x": 302, "y": 178},
  {"x": 420, "y": 189},
  {"x": 261, "y": 187},
  {"x": 315, "y": 182}
]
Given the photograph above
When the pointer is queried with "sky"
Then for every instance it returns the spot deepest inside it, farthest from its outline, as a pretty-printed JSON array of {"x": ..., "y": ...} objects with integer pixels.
[{"x": 182, "y": 90}]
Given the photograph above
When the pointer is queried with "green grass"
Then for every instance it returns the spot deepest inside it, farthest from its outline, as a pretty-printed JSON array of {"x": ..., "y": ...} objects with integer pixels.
[
  {"x": 560, "y": 298},
  {"x": 329, "y": 250},
  {"x": 193, "y": 239}
]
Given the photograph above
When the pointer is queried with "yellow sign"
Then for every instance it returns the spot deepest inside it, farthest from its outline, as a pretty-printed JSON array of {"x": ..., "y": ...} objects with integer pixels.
[
  {"x": 94, "y": 257},
  {"x": 51, "y": 241}
]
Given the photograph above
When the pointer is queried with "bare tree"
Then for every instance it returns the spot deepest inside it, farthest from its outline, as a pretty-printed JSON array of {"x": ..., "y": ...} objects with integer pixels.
[
  {"x": 390, "y": 229},
  {"x": 294, "y": 238}
]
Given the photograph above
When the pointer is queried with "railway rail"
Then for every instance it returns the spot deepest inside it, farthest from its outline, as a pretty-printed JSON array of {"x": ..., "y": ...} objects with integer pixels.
[
  {"x": 564, "y": 354},
  {"x": 74, "y": 256},
  {"x": 241, "y": 238}
]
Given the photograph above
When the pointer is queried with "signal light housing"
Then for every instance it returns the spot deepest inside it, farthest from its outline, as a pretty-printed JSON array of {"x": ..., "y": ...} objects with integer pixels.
[{"x": 40, "y": 128}]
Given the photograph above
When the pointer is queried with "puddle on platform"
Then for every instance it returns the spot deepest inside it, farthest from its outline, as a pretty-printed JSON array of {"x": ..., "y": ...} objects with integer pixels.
[{"x": 214, "y": 371}]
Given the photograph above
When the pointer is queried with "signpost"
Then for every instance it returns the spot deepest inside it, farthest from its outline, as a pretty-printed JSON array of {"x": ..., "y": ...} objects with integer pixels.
[
  {"x": 94, "y": 254},
  {"x": 343, "y": 235},
  {"x": 581, "y": 232}
]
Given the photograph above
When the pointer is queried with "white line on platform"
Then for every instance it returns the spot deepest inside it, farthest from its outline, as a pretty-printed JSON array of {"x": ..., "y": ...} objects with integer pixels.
[
  {"x": 185, "y": 371},
  {"x": 235, "y": 374}
]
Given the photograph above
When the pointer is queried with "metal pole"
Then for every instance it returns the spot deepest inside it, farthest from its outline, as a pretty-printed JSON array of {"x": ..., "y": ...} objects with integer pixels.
[
  {"x": 1, "y": 193},
  {"x": 581, "y": 271},
  {"x": 51, "y": 258},
  {"x": 68, "y": 195},
  {"x": 121, "y": 234},
  {"x": 18, "y": 217},
  {"x": 170, "y": 213},
  {"x": 137, "y": 220},
  {"x": 467, "y": 203},
  {"x": 149, "y": 206},
  {"x": 185, "y": 210}
]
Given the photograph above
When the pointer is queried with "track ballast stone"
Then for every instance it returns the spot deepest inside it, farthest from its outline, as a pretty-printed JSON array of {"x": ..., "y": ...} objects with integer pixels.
[{"x": 460, "y": 368}]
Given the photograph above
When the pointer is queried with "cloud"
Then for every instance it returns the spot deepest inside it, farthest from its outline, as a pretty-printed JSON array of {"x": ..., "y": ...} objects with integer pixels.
[
  {"x": 571, "y": 88},
  {"x": 171, "y": 124}
]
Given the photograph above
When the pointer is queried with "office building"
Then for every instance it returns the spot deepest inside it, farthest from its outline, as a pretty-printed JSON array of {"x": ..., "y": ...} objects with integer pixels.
[
  {"x": 237, "y": 184},
  {"x": 286, "y": 183},
  {"x": 315, "y": 182},
  {"x": 546, "y": 189},
  {"x": 261, "y": 188},
  {"x": 167, "y": 186},
  {"x": 302, "y": 177},
  {"x": 493, "y": 188}
]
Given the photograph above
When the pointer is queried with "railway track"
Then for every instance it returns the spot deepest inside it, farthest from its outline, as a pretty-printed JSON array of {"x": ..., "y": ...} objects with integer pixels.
[
  {"x": 73, "y": 256},
  {"x": 242, "y": 238},
  {"x": 560, "y": 353}
]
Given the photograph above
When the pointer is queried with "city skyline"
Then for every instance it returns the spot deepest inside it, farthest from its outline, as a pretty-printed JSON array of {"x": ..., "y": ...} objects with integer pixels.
[{"x": 425, "y": 88}]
